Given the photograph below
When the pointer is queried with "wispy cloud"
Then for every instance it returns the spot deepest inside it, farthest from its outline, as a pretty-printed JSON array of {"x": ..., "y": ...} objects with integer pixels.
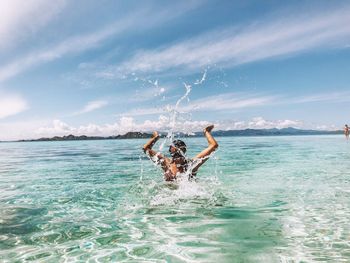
[
  {"x": 81, "y": 43},
  {"x": 148, "y": 93},
  {"x": 19, "y": 19},
  {"x": 279, "y": 36},
  {"x": 144, "y": 111},
  {"x": 149, "y": 89},
  {"x": 236, "y": 101},
  {"x": 226, "y": 101},
  {"x": 92, "y": 106},
  {"x": 229, "y": 101},
  {"x": 11, "y": 104},
  {"x": 72, "y": 45},
  {"x": 331, "y": 97}
]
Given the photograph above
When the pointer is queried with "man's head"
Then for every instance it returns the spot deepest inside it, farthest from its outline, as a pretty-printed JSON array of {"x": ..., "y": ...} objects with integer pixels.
[
  {"x": 346, "y": 125},
  {"x": 177, "y": 149}
]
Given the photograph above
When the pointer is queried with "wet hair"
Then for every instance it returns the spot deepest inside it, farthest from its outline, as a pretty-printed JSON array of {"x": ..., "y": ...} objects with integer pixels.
[
  {"x": 180, "y": 149},
  {"x": 180, "y": 145},
  {"x": 179, "y": 155}
]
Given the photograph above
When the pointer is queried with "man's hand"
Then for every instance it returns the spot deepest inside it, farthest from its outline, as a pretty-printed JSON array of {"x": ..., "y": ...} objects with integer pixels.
[
  {"x": 208, "y": 128},
  {"x": 155, "y": 134}
]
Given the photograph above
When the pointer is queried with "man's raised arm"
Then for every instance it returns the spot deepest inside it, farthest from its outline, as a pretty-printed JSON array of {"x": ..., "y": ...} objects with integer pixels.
[
  {"x": 204, "y": 155},
  {"x": 155, "y": 156}
]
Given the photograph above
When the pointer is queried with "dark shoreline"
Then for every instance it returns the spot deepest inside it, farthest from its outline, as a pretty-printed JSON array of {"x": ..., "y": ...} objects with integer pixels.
[{"x": 229, "y": 133}]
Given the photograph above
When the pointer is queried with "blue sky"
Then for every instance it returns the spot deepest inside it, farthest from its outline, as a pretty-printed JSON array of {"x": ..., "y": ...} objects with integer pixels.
[{"x": 107, "y": 67}]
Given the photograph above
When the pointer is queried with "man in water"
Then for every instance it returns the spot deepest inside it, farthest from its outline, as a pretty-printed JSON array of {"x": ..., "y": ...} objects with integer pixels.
[
  {"x": 346, "y": 131},
  {"x": 178, "y": 163}
]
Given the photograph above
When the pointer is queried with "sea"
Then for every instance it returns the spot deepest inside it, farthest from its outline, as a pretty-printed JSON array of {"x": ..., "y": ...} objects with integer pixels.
[{"x": 257, "y": 199}]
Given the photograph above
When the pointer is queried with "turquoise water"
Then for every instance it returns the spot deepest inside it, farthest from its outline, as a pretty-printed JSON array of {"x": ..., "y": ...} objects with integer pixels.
[{"x": 259, "y": 199}]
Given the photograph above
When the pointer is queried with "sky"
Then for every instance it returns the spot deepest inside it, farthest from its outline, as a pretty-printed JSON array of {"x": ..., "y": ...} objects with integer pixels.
[{"x": 108, "y": 67}]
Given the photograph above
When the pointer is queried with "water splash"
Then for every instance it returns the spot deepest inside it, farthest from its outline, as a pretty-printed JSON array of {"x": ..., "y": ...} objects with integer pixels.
[
  {"x": 182, "y": 190},
  {"x": 198, "y": 82},
  {"x": 149, "y": 89},
  {"x": 175, "y": 113},
  {"x": 141, "y": 168}
]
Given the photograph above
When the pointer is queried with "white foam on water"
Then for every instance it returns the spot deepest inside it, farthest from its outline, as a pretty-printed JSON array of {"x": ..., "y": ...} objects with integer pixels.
[{"x": 181, "y": 190}]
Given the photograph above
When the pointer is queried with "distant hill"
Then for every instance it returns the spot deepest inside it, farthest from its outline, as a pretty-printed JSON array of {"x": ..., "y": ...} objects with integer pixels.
[
  {"x": 273, "y": 132},
  {"x": 246, "y": 132},
  {"x": 128, "y": 135},
  {"x": 134, "y": 135}
]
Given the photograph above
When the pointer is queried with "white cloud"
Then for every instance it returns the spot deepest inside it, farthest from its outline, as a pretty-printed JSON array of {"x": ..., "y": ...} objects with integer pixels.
[
  {"x": 145, "y": 111},
  {"x": 72, "y": 45},
  {"x": 37, "y": 129},
  {"x": 11, "y": 104},
  {"x": 126, "y": 124},
  {"x": 21, "y": 18},
  {"x": 261, "y": 123},
  {"x": 236, "y": 101},
  {"x": 226, "y": 101},
  {"x": 81, "y": 43},
  {"x": 322, "y": 97},
  {"x": 92, "y": 105},
  {"x": 277, "y": 37},
  {"x": 20, "y": 129},
  {"x": 149, "y": 89}
]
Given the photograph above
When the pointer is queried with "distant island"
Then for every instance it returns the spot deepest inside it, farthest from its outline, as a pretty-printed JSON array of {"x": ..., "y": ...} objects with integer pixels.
[
  {"x": 71, "y": 137},
  {"x": 274, "y": 132},
  {"x": 143, "y": 135}
]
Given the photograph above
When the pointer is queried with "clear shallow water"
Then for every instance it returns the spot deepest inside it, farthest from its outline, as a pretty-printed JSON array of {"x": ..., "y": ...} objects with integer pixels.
[{"x": 261, "y": 199}]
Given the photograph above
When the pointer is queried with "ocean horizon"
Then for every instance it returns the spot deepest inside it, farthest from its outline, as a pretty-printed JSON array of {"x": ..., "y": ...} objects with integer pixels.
[{"x": 290, "y": 131}]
